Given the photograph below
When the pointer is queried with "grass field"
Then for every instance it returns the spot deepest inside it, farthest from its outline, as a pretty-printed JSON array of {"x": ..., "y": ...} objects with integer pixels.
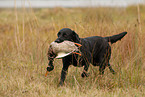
[{"x": 25, "y": 35}]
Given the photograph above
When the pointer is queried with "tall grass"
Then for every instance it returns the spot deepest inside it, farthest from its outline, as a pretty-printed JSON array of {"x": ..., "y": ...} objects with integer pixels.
[{"x": 25, "y": 35}]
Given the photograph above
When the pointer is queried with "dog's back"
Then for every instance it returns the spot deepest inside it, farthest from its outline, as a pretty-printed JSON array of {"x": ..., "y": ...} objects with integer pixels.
[{"x": 99, "y": 46}]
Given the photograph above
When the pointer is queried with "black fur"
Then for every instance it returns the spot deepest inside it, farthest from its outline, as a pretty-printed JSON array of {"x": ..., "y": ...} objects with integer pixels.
[{"x": 95, "y": 50}]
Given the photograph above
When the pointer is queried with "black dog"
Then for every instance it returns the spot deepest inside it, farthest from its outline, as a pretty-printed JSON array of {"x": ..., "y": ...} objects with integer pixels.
[{"x": 95, "y": 50}]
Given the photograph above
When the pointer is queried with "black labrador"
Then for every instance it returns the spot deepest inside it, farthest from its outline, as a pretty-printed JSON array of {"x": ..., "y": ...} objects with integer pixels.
[{"x": 95, "y": 50}]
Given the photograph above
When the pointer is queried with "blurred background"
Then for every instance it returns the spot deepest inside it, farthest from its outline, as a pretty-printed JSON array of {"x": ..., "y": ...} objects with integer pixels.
[{"x": 69, "y": 3}]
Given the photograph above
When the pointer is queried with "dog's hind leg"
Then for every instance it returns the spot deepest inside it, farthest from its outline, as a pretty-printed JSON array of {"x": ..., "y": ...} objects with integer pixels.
[
  {"x": 102, "y": 68},
  {"x": 113, "y": 72},
  {"x": 103, "y": 65}
]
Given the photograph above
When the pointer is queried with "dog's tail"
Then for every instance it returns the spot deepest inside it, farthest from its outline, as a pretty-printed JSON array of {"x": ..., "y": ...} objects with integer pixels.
[{"x": 115, "y": 38}]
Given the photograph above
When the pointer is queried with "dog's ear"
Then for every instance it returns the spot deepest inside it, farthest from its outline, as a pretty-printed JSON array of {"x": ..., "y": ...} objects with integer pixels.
[{"x": 76, "y": 37}]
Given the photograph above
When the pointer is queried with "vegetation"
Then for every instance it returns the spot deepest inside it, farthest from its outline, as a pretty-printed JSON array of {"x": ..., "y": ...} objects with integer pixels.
[{"x": 25, "y": 35}]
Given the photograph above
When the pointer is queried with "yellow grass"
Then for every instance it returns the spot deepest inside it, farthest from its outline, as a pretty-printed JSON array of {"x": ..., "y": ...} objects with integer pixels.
[{"x": 25, "y": 35}]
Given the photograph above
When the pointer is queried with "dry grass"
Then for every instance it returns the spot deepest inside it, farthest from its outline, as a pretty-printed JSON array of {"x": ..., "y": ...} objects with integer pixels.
[{"x": 25, "y": 35}]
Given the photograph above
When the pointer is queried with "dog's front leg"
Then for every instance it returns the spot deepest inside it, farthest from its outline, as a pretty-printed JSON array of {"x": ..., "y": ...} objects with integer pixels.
[
  {"x": 63, "y": 75},
  {"x": 66, "y": 63}
]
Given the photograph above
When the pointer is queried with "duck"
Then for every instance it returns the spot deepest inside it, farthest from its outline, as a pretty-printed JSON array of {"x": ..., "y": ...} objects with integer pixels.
[{"x": 64, "y": 48}]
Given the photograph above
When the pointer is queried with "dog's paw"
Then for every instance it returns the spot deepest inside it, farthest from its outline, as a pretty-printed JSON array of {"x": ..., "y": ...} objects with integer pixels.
[
  {"x": 60, "y": 84},
  {"x": 84, "y": 74}
]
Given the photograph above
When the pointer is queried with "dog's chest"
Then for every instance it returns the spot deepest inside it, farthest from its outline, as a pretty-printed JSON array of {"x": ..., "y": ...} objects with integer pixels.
[{"x": 78, "y": 61}]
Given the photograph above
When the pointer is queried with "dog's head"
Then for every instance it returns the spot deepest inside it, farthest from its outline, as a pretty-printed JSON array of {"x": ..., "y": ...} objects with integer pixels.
[{"x": 67, "y": 34}]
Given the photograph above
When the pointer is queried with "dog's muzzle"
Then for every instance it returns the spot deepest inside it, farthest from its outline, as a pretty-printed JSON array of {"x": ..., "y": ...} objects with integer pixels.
[{"x": 59, "y": 40}]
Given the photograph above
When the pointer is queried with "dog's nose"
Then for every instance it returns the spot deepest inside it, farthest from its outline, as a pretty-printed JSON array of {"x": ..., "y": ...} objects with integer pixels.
[{"x": 58, "y": 40}]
